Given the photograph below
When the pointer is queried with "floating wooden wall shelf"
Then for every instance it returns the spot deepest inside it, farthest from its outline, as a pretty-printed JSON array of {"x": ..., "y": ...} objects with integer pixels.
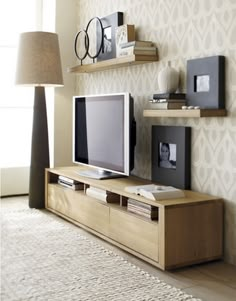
[
  {"x": 185, "y": 113},
  {"x": 125, "y": 61}
]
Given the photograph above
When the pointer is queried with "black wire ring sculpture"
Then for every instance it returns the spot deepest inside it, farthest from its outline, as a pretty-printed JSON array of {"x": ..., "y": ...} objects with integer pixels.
[{"x": 87, "y": 43}]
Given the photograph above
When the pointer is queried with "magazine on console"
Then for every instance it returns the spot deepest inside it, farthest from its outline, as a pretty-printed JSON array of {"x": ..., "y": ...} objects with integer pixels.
[{"x": 156, "y": 192}]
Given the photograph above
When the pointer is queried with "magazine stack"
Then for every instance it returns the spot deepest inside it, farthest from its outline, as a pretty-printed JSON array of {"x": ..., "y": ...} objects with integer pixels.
[{"x": 142, "y": 209}]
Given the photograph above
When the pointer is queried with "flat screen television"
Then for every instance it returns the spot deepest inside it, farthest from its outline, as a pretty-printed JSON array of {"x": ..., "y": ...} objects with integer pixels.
[{"x": 104, "y": 134}]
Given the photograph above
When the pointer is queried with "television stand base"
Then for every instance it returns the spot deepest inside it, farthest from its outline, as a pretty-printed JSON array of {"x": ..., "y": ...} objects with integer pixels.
[{"x": 98, "y": 174}]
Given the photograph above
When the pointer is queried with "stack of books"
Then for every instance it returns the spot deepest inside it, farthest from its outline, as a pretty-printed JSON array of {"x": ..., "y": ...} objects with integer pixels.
[
  {"x": 145, "y": 48},
  {"x": 102, "y": 195},
  {"x": 69, "y": 183},
  {"x": 142, "y": 209},
  {"x": 167, "y": 101}
]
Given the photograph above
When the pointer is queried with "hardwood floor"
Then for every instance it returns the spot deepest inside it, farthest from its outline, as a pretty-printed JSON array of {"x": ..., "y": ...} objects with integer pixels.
[{"x": 211, "y": 281}]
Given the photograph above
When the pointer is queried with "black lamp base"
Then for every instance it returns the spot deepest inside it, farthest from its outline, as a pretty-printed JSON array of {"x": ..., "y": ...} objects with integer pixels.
[{"x": 39, "y": 151}]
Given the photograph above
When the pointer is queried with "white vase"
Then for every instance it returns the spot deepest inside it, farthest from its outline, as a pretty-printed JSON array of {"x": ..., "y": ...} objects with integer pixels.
[{"x": 168, "y": 80}]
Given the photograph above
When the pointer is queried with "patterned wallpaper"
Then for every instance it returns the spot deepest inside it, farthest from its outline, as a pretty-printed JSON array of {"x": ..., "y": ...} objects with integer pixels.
[{"x": 181, "y": 30}]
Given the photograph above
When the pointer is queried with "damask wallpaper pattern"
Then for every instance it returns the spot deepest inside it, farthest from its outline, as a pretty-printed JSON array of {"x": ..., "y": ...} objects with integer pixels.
[{"x": 181, "y": 30}]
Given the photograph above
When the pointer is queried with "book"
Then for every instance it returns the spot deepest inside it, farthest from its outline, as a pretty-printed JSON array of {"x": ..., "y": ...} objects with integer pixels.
[
  {"x": 108, "y": 197},
  {"x": 137, "y": 44},
  {"x": 151, "y": 216},
  {"x": 156, "y": 192},
  {"x": 167, "y": 100},
  {"x": 99, "y": 190},
  {"x": 79, "y": 186},
  {"x": 137, "y": 50},
  {"x": 68, "y": 180},
  {"x": 146, "y": 58},
  {"x": 142, "y": 209},
  {"x": 169, "y": 96},
  {"x": 166, "y": 105},
  {"x": 134, "y": 202}
]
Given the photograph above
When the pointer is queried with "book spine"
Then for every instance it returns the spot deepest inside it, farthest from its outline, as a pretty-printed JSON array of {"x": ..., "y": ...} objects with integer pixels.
[
  {"x": 68, "y": 180},
  {"x": 139, "y": 51},
  {"x": 150, "y": 215},
  {"x": 96, "y": 195},
  {"x": 142, "y": 211},
  {"x": 167, "y": 100},
  {"x": 139, "y": 204},
  {"x": 98, "y": 190},
  {"x": 65, "y": 179},
  {"x": 169, "y": 96},
  {"x": 137, "y": 44},
  {"x": 72, "y": 186},
  {"x": 107, "y": 198},
  {"x": 166, "y": 105}
]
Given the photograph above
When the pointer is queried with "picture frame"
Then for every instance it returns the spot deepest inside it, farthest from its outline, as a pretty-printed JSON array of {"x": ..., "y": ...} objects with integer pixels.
[
  {"x": 206, "y": 82},
  {"x": 124, "y": 33},
  {"x": 171, "y": 167},
  {"x": 109, "y": 24}
]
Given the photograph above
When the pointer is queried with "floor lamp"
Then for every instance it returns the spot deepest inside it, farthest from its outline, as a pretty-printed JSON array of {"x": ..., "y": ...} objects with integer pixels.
[{"x": 39, "y": 65}]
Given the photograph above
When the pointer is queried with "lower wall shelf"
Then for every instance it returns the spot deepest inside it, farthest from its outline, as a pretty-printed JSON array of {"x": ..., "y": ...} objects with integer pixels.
[{"x": 186, "y": 113}]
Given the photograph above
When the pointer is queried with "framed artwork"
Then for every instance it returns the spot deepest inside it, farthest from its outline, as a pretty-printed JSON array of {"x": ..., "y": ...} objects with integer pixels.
[
  {"x": 206, "y": 82},
  {"x": 171, "y": 156},
  {"x": 109, "y": 24}
]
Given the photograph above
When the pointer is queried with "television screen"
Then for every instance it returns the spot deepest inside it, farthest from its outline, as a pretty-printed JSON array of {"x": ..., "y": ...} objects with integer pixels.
[{"x": 103, "y": 135}]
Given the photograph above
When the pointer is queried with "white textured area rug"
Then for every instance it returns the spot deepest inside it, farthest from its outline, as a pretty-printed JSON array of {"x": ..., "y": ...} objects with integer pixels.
[{"x": 45, "y": 258}]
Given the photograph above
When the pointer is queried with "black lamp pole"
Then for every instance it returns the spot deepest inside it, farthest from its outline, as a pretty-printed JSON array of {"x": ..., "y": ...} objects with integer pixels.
[{"x": 39, "y": 151}]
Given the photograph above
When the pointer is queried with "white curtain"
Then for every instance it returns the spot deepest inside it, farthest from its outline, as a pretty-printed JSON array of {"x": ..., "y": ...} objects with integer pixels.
[{"x": 16, "y": 103}]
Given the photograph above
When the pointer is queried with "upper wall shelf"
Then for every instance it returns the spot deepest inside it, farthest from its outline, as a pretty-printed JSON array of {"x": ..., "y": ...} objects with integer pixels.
[
  {"x": 113, "y": 63},
  {"x": 185, "y": 113}
]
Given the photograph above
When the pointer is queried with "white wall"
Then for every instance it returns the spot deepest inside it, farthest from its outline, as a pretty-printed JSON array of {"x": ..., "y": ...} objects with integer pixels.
[
  {"x": 182, "y": 30},
  {"x": 14, "y": 181},
  {"x": 66, "y": 13}
]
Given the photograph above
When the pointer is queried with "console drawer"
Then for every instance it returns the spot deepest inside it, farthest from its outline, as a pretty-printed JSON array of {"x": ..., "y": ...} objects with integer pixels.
[
  {"x": 78, "y": 206},
  {"x": 134, "y": 232}
]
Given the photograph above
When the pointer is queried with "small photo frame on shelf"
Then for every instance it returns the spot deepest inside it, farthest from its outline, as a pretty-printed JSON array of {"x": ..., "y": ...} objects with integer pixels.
[
  {"x": 109, "y": 24},
  {"x": 171, "y": 156},
  {"x": 124, "y": 34},
  {"x": 206, "y": 82}
]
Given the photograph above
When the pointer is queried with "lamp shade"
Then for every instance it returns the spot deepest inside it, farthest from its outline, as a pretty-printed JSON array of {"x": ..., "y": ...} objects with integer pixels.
[{"x": 39, "y": 62}]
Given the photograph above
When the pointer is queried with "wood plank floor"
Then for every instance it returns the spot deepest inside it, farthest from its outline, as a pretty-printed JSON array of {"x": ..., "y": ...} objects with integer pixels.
[{"x": 210, "y": 281}]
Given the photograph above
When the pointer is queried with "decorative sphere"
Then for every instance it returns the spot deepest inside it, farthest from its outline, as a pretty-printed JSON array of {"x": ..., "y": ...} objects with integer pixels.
[{"x": 168, "y": 80}]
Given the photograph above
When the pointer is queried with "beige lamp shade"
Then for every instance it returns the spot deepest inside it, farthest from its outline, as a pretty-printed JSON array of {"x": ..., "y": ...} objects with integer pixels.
[{"x": 39, "y": 62}]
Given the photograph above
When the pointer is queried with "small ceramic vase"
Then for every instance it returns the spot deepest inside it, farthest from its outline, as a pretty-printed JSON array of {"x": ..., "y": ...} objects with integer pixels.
[{"x": 168, "y": 80}]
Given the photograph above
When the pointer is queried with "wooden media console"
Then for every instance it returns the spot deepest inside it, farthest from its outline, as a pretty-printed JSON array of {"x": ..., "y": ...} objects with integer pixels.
[{"x": 188, "y": 230}]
